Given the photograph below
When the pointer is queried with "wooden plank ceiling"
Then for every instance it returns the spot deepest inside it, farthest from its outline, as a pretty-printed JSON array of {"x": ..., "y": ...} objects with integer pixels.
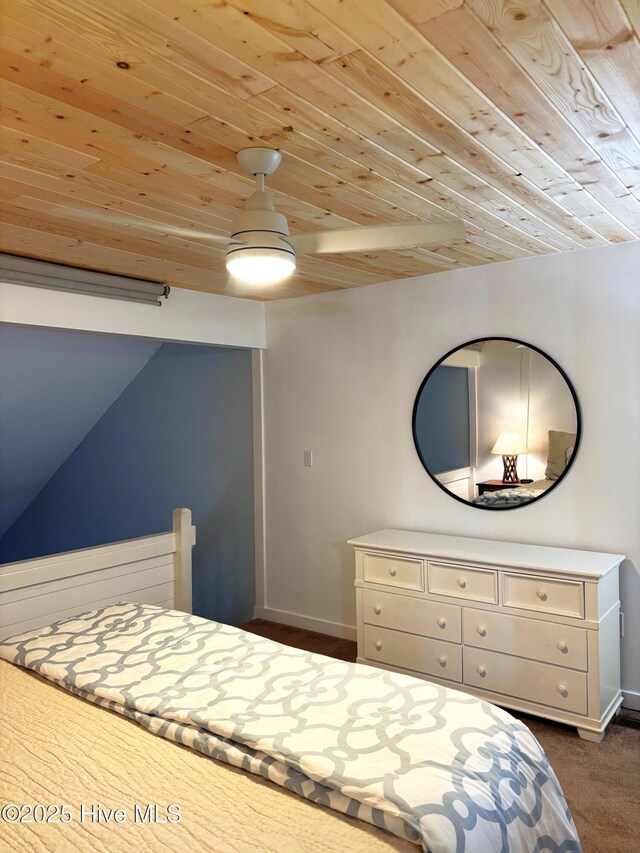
[{"x": 121, "y": 118}]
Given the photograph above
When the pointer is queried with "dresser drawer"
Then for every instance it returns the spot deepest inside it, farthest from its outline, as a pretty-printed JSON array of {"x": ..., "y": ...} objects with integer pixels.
[
  {"x": 393, "y": 571},
  {"x": 407, "y": 651},
  {"x": 527, "y": 638},
  {"x": 415, "y": 615},
  {"x": 549, "y": 685},
  {"x": 462, "y": 582},
  {"x": 544, "y": 594}
]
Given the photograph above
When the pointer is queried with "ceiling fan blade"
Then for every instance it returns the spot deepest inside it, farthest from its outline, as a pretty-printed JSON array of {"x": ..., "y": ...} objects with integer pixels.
[
  {"x": 112, "y": 217},
  {"x": 375, "y": 237},
  {"x": 192, "y": 234}
]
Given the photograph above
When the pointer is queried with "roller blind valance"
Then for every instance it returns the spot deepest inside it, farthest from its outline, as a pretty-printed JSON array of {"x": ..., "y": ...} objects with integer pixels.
[{"x": 18, "y": 270}]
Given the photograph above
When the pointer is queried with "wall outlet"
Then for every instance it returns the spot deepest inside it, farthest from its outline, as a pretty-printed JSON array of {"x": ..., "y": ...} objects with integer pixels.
[{"x": 308, "y": 459}]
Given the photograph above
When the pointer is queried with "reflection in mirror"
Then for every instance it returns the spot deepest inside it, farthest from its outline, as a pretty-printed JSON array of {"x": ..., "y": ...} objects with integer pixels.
[{"x": 496, "y": 423}]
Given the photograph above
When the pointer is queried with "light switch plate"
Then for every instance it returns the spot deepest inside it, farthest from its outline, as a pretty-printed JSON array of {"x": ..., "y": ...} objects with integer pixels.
[{"x": 308, "y": 459}]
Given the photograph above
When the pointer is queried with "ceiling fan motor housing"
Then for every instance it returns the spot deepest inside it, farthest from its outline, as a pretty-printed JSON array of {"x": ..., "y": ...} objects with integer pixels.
[{"x": 260, "y": 226}]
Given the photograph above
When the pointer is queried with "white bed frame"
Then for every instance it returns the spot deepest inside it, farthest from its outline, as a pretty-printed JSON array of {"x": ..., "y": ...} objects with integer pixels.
[{"x": 151, "y": 570}]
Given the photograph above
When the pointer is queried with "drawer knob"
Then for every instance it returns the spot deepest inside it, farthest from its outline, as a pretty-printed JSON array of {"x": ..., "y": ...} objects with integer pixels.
[
  {"x": 482, "y": 631},
  {"x": 562, "y": 690},
  {"x": 378, "y": 645},
  {"x": 442, "y": 622},
  {"x": 462, "y": 583},
  {"x": 542, "y": 595},
  {"x": 442, "y": 660},
  {"x": 377, "y": 610},
  {"x": 562, "y": 646},
  {"x": 392, "y": 572},
  {"x": 482, "y": 671}
]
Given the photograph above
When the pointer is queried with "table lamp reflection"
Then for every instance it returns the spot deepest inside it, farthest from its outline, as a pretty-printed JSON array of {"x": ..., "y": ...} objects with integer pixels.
[{"x": 510, "y": 445}]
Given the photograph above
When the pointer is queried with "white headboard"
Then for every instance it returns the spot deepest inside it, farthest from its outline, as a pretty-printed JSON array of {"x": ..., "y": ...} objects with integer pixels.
[{"x": 151, "y": 570}]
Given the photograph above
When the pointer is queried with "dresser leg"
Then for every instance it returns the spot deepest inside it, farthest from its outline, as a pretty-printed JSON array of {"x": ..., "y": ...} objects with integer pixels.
[{"x": 594, "y": 737}]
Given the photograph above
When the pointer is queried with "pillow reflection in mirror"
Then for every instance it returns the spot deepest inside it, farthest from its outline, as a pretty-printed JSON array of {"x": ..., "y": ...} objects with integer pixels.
[{"x": 558, "y": 457}]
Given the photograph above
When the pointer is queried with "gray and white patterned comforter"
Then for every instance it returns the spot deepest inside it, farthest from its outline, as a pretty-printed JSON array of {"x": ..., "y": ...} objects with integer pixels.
[
  {"x": 508, "y": 497},
  {"x": 432, "y": 765}
]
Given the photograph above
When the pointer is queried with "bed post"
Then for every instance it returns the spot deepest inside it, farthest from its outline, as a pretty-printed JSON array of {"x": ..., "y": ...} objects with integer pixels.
[{"x": 185, "y": 534}]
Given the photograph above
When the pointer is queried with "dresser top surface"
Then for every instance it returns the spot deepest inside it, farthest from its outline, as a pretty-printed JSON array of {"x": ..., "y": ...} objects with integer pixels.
[{"x": 509, "y": 554}]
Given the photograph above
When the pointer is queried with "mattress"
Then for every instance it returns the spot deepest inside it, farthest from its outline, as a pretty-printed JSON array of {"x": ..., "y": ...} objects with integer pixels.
[
  {"x": 58, "y": 749},
  {"x": 540, "y": 484},
  {"x": 430, "y": 764}
]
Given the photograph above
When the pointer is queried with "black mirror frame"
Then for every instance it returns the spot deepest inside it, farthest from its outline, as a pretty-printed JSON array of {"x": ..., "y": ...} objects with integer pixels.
[{"x": 576, "y": 402}]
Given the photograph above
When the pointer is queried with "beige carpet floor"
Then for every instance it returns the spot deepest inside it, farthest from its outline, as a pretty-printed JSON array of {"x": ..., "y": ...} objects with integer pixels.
[{"x": 601, "y": 781}]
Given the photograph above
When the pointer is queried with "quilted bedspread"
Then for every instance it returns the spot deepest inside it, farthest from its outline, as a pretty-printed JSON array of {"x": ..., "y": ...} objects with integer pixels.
[{"x": 432, "y": 765}]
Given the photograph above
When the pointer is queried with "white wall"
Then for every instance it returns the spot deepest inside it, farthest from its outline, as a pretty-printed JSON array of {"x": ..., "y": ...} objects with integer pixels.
[
  {"x": 341, "y": 373},
  {"x": 521, "y": 390},
  {"x": 187, "y": 316}
]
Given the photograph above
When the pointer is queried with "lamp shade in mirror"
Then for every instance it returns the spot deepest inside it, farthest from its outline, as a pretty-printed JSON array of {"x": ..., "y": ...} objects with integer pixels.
[
  {"x": 509, "y": 443},
  {"x": 496, "y": 423}
]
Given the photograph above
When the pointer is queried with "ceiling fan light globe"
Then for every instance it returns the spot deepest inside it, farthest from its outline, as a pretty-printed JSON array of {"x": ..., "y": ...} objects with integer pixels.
[{"x": 260, "y": 266}]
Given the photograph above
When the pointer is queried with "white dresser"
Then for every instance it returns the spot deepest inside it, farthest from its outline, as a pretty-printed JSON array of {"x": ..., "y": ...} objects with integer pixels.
[{"x": 531, "y": 628}]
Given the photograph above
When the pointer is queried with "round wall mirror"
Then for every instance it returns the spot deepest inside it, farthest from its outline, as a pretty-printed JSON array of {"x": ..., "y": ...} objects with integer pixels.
[{"x": 496, "y": 423}]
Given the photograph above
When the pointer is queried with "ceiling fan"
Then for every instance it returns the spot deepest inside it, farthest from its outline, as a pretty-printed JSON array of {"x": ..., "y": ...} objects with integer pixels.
[{"x": 260, "y": 250}]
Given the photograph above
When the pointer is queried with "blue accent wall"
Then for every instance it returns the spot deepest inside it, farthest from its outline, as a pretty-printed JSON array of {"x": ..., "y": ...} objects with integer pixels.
[
  {"x": 442, "y": 420},
  {"x": 181, "y": 434},
  {"x": 54, "y": 386}
]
